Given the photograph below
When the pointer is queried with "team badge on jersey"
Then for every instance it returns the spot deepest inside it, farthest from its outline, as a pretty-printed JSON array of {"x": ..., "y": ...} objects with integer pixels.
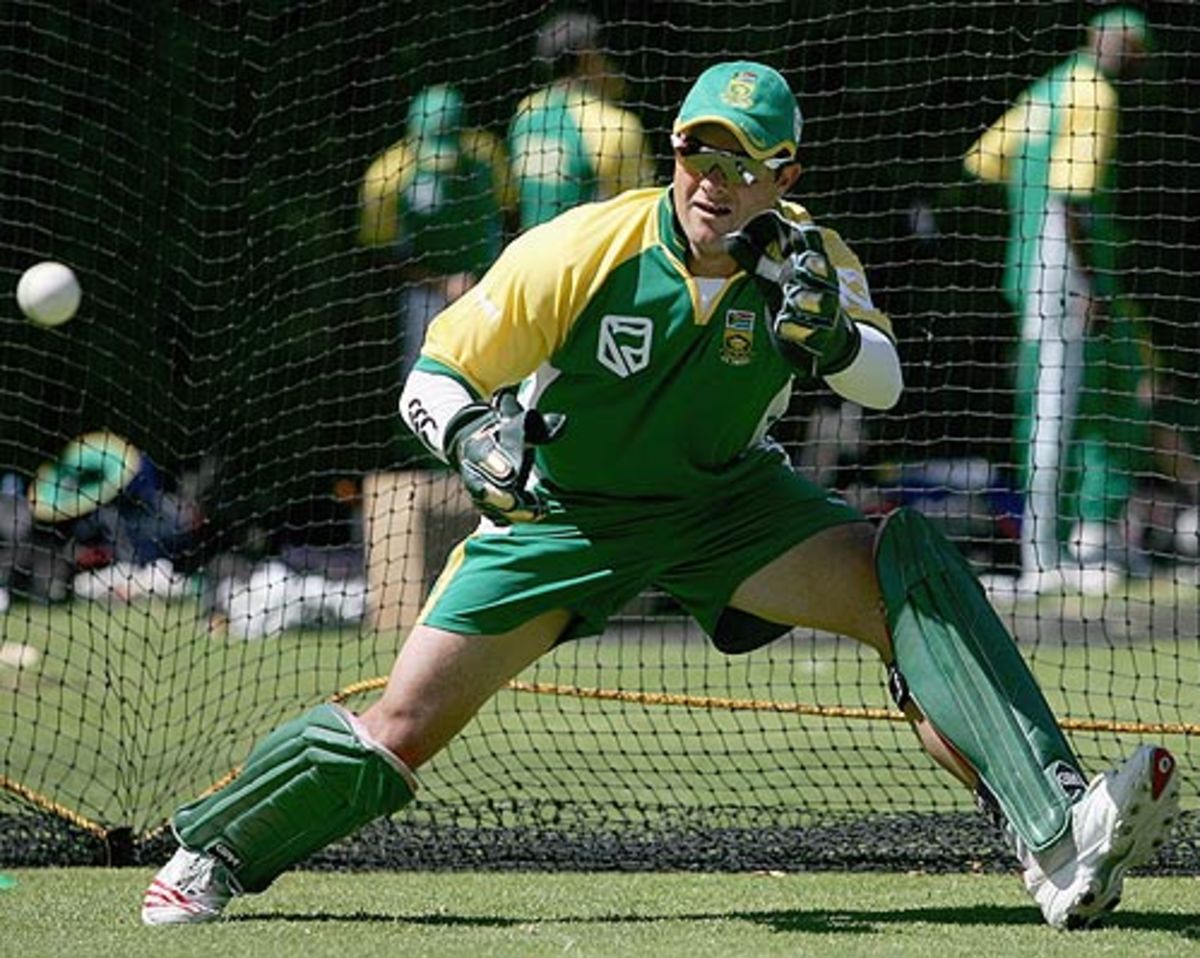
[
  {"x": 625, "y": 344},
  {"x": 737, "y": 338}
]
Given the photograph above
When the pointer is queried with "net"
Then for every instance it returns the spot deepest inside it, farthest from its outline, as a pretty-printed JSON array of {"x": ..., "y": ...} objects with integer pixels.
[{"x": 227, "y": 179}]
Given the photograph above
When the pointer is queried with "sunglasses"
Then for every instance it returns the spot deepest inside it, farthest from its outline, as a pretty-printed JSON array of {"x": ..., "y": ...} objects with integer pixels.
[{"x": 699, "y": 158}]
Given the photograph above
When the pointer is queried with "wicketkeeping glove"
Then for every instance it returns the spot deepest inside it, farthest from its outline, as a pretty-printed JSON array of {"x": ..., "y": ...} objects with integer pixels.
[
  {"x": 492, "y": 447},
  {"x": 789, "y": 263}
]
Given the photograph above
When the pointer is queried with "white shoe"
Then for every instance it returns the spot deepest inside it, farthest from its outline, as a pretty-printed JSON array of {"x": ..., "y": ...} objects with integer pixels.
[
  {"x": 1122, "y": 820},
  {"x": 191, "y": 887}
]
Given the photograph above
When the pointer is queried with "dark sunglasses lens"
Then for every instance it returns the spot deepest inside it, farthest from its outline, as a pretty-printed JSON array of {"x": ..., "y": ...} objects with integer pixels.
[{"x": 736, "y": 169}]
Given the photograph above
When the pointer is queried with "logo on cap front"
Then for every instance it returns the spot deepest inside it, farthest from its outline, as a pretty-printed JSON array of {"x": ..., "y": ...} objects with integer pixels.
[{"x": 739, "y": 91}]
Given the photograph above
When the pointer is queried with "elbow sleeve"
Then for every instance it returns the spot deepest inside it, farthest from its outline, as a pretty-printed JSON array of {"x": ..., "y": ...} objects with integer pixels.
[
  {"x": 428, "y": 403},
  {"x": 874, "y": 379}
]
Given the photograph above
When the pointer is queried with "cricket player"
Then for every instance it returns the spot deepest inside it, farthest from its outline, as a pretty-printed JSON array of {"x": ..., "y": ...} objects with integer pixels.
[
  {"x": 1080, "y": 425},
  {"x": 606, "y": 394},
  {"x": 569, "y": 141}
]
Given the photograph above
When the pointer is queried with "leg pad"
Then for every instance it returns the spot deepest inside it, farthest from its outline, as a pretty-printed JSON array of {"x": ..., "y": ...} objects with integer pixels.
[
  {"x": 964, "y": 672},
  {"x": 311, "y": 782}
]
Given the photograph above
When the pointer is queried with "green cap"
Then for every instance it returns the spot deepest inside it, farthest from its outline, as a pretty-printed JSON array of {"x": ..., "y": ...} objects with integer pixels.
[
  {"x": 1123, "y": 18},
  {"x": 750, "y": 100},
  {"x": 435, "y": 115}
]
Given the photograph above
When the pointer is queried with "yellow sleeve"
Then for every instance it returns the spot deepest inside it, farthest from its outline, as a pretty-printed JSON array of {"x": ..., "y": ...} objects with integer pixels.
[
  {"x": 988, "y": 157},
  {"x": 524, "y": 307},
  {"x": 852, "y": 278},
  {"x": 506, "y": 325},
  {"x": 385, "y": 178},
  {"x": 616, "y": 143},
  {"x": 1087, "y": 139},
  {"x": 488, "y": 149}
]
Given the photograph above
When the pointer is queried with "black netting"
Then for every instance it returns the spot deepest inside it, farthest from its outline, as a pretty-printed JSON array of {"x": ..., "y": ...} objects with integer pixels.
[{"x": 201, "y": 169}]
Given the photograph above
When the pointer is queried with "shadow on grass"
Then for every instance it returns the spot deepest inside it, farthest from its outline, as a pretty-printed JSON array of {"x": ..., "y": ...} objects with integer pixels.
[
  {"x": 863, "y": 921},
  {"x": 842, "y": 921}
]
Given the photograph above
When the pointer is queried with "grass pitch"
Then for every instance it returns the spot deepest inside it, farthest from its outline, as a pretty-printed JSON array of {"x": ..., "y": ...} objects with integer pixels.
[
  {"x": 50, "y": 913},
  {"x": 129, "y": 710}
]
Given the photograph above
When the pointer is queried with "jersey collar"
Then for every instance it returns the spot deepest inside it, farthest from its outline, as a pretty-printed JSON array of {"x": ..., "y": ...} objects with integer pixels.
[{"x": 669, "y": 230}]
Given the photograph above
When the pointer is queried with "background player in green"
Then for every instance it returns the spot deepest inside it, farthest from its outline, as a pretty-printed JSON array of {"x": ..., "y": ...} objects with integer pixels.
[
  {"x": 606, "y": 393},
  {"x": 569, "y": 141},
  {"x": 1080, "y": 425},
  {"x": 434, "y": 203}
]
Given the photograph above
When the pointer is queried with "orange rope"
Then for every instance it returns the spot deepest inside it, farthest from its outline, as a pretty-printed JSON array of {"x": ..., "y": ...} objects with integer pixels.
[
  {"x": 51, "y": 806},
  {"x": 760, "y": 705},
  {"x": 704, "y": 701}
]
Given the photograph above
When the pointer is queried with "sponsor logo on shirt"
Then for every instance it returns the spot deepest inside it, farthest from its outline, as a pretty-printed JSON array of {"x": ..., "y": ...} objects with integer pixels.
[{"x": 624, "y": 345}]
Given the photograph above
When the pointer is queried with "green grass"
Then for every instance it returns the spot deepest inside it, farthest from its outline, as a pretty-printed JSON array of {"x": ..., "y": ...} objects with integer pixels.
[
  {"x": 93, "y": 912},
  {"x": 131, "y": 710}
]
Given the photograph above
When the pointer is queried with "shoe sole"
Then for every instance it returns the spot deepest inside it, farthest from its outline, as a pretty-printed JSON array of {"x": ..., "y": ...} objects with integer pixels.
[
  {"x": 171, "y": 915},
  {"x": 1138, "y": 833},
  {"x": 166, "y": 905}
]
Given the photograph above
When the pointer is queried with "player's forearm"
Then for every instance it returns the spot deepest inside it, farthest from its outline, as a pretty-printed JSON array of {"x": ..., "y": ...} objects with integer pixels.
[
  {"x": 427, "y": 405},
  {"x": 874, "y": 378}
]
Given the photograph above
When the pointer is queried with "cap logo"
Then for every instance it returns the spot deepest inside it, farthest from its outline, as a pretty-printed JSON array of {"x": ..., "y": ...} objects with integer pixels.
[{"x": 739, "y": 92}]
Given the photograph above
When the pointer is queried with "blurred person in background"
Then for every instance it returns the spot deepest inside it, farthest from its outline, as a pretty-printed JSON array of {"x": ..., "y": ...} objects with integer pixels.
[
  {"x": 435, "y": 204},
  {"x": 1165, "y": 508},
  {"x": 1080, "y": 425},
  {"x": 569, "y": 141},
  {"x": 438, "y": 205},
  {"x": 124, "y": 534}
]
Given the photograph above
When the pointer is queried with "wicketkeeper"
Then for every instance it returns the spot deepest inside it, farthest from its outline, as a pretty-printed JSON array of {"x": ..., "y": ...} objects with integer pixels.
[{"x": 606, "y": 393}]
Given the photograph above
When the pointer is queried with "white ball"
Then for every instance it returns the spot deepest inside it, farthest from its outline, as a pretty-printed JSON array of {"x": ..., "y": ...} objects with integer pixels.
[{"x": 48, "y": 293}]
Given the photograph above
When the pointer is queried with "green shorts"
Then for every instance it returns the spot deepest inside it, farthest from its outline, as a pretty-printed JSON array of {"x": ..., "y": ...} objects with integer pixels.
[{"x": 594, "y": 559}]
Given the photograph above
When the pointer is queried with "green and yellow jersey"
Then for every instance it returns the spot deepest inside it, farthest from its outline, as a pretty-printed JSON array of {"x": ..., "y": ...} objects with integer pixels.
[
  {"x": 669, "y": 382},
  {"x": 441, "y": 208},
  {"x": 1058, "y": 138},
  {"x": 568, "y": 146}
]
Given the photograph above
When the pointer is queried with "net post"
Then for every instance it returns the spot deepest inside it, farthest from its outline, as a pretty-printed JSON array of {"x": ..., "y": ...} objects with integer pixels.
[{"x": 118, "y": 847}]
